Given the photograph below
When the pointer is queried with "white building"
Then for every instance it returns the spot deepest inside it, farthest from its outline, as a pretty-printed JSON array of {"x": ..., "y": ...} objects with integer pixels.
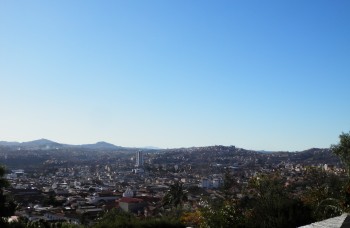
[
  {"x": 128, "y": 193},
  {"x": 139, "y": 159}
]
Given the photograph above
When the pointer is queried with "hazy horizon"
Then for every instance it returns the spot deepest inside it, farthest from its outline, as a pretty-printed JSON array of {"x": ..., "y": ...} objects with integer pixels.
[
  {"x": 271, "y": 75},
  {"x": 151, "y": 146}
]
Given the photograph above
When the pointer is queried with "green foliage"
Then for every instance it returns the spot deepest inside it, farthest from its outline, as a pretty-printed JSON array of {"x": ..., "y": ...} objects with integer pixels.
[
  {"x": 274, "y": 206},
  {"x": 25, "y": 223},
  {"x": 115, "y": 218},
  {"x": 226, "y": 215},
  {"x": 119, "y": 219},
  {"x": 342, "y": 149},
  {"x": 3, "y": 182},
  {"x": 159, "y": 223},
  {"x": 7, "y": 207},
  {"x": 324, "y": 194},
  {"x": 268, "y": 204},
  {"x": 195, "y": 190},
  {"x": 175, "y": 196},
  {"x": 229, "y": 183}
]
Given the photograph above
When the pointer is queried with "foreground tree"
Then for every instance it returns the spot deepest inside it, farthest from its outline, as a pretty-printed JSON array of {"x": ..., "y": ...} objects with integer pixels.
[
  {"x": 175, "y": 196},
  {"x": 227, "y": 214},
  {"x": 273, "y": 204},
  {"x": 7, "y": 207},
  {"x": 342, "y": 149},
  {"x": 119, "y": 219},
  {"x": 323, "y": 193},
  {"x": 229, "y": 185}
]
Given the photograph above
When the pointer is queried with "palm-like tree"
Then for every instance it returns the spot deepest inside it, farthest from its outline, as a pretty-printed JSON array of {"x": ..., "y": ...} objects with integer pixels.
[{"x": 175, "y": 196}]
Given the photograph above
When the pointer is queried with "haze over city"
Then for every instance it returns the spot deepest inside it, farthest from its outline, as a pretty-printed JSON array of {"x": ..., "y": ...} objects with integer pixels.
[{"x": 263, "y": 75}]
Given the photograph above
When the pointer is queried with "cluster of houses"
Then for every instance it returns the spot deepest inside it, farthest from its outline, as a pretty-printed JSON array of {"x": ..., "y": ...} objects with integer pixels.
[{"x": 80, "y": 193}]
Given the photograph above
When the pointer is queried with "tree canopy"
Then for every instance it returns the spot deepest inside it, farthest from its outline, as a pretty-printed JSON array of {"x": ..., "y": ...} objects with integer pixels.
[
  {"x": 7, "y": 207},
  {"x": 175, "y": 196},
  {"x": 342, "y": 149}
]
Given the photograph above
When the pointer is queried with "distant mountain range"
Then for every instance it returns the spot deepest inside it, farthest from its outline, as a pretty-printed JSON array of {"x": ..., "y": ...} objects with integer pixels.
[
  {"x": 16, "y": 154},
  {"x": 45, "y": 144}
]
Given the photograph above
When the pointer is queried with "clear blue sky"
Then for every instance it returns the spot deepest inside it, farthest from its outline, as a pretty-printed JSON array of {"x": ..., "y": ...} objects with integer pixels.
[{"x": 272, "y": 75}]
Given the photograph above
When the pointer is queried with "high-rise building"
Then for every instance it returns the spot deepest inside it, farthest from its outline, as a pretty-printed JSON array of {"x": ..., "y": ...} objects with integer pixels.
[{"x": 139, "y": 159}]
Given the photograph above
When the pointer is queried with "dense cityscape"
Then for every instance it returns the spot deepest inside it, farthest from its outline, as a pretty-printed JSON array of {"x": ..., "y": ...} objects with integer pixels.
[{"x": 55, "y": 183}]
